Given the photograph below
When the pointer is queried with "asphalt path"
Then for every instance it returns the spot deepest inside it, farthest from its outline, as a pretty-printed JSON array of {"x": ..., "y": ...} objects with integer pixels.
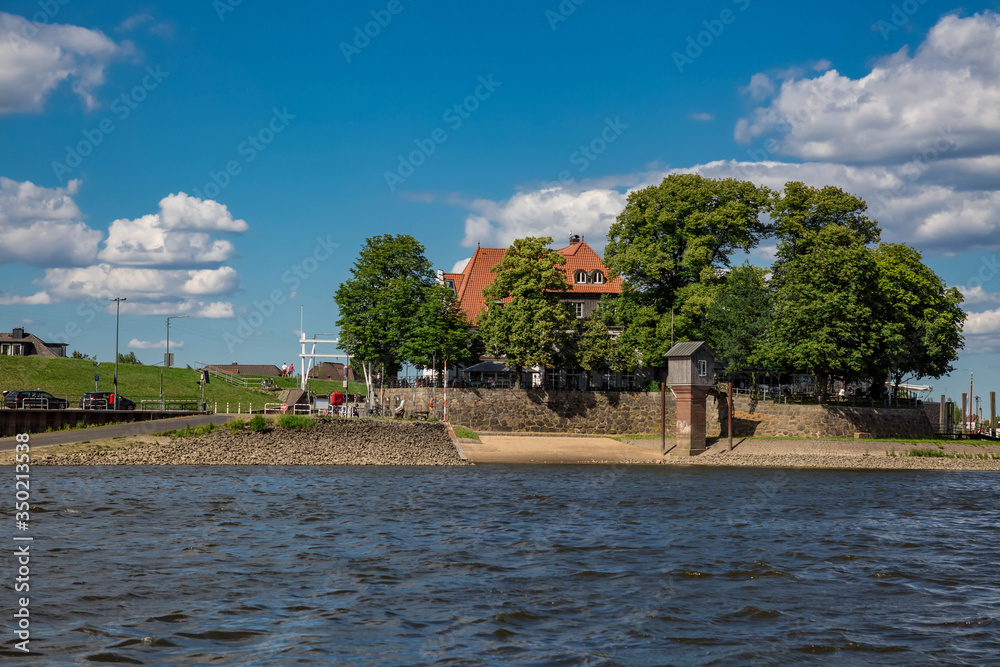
[{"x": 115, "y": 430}]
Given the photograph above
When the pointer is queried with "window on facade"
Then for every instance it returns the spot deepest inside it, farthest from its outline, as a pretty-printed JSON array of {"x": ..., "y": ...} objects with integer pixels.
[
  {"x": 598, "y": 277},
  {"x": 702, "y": 368},
  {"x": 578, "y": 306}
]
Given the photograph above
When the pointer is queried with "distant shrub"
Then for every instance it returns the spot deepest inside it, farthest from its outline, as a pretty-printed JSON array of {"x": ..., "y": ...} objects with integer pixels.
[
  {"x": 258, "y": 424},
  {"x": 295, "y": 422},
  {"x": 236, "y": 425}
]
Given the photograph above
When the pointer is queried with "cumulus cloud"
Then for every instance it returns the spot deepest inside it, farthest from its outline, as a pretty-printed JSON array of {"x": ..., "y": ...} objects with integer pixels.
[
  {"x": 987, "y": 322},
  {"x": 702, "y": 117},
  {"x": 182, "y": 211},
  {"x": 211, "y": 310},
  {"x": 43, "y": 226},
  {"x": 951, "y": 86},
  {"x": 460, "y": 265},
  {"x": 37, "y": 299},
  {"x": 167, "y": 239},
  {"x": 104, "y": 281},
  {"x": 36, "y": 58},
  {"x": 554, "y": 211},
  {"x": 977, "y": 295},
  {"x": 137, "y": 344}
]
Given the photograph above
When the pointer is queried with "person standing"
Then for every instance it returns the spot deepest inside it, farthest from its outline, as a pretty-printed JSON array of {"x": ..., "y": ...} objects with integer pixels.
[
  {"x": 291, "y": 370},
  {"x": 284, "y": 370}
]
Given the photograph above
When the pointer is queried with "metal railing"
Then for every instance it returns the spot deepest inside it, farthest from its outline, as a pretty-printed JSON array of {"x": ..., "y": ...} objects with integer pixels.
[{"x": 245, "y": 382}]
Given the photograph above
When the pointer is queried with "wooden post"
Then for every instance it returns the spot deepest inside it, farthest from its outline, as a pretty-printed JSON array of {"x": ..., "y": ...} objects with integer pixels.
[
  {"x": 943, "y": 417},
  {"x": 663, "y": 417},
  {"x": 964, "y": 423},
  {"x": 993, "y": 413},
  {"x": 730, "y": 415}
]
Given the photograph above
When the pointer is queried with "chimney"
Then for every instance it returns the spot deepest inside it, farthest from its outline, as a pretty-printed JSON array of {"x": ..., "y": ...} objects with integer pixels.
[
  {"x": 18, "y": 332},
  {"x": 574, "y": 239}
]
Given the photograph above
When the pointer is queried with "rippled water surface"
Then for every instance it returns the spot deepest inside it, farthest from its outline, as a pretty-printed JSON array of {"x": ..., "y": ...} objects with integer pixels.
[{"x": 500, "y": 565}]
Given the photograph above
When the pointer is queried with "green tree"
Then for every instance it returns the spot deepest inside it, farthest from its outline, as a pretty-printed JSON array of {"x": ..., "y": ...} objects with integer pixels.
[
  {"x": 924, "y": 328},
  {"x": 829, "y": 316},
  {"x": 671, "y": 245},
  {"x": 525, "y": 321},
  {"x": 80, "y": 355},
  {"x": 680, "y": 231},
  {"x": 800, "y": 212},
  {"x": 441, "y": 332},
  {"x": 129, "y": 358},
  {"x": 739, "y": 317},
  {"x": 379, "y": 304},
  {"x": 597, "y": 350}
]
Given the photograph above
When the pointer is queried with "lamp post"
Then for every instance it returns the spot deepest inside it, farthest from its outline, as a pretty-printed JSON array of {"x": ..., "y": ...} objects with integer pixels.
[{"x": 118, "y": 306}]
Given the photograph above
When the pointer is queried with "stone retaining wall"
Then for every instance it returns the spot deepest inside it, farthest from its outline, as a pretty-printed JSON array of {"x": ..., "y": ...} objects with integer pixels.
[{"x": 614, "y": 413}]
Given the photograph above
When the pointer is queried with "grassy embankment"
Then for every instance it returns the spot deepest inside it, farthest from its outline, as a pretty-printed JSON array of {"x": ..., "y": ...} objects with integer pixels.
[{"x": 71, "y": 378}]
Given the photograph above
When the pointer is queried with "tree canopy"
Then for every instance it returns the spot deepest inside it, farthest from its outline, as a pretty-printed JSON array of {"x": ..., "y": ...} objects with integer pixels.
[
  {"x": 674, "y": 234},
  {"x": 923, "y": 316},
  {"x": 525, "y": 322},
  {"x": 379, "y": 304},
  {"x": 739, "y": 317}
]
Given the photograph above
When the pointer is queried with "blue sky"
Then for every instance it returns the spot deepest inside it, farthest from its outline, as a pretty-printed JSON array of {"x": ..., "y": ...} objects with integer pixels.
[{"x": 226, "y": 160}]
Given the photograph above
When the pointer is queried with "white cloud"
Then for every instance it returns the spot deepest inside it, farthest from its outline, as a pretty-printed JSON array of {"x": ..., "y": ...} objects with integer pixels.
[
  {"x": 977, "y": 295},
  {"x": 555, "y": 211},
  {"x": 460, "y": 265},
  {"x": 36, "y": 58},
  {"x": 213, "y": 310},
  {"x": 43, "y": 226},
  {"x": 702, "y": 117},
  {"x": 987, "y": 322},
  {"x": 39, "y": 298},
  {"x": 104, "y": 281},
  {"x": 949, "y": 90},
  {"x": 760, "y": 87},
  {"x": 137, "y": 344},
  {"x": 181, "y": 211}
]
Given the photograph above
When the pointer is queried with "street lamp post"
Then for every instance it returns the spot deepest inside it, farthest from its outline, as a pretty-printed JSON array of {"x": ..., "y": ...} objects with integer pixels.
[
  {"x": 118, "y": 306},
  {"x": 166, "y": 357}
]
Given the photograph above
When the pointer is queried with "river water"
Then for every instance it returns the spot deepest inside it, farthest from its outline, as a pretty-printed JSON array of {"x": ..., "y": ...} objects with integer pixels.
[{"x": 510, "y": 565}]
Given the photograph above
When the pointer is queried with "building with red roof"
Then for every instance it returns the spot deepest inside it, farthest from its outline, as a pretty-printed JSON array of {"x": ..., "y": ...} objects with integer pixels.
[{"x": 585, "y": 272}]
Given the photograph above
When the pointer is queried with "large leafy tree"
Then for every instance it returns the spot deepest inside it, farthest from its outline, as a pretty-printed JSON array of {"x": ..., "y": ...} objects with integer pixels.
[
  {"x": 380, "y": 302},
  {"x": 801, "y": 212},
  {"x": 671, "y": 244},
  {"x": 441, "y": 332},
  {"x": 924, "y": 316},
  {"x": 829, "y": 317},
  {"x": 739, "y": 317},
  {"x": 525, "y": 320},
  {"x": 598, "y": 350},
  {"x": 670, "y": 234}
]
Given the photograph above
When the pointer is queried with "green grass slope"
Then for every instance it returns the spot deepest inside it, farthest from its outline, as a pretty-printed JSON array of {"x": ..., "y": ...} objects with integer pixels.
[{"x": 71, "y": 378}]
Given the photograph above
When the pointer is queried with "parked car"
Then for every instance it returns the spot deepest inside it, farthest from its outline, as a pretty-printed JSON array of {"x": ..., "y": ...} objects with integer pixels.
[
  {"x": 104, "y": 400},
  {"x": 33, "y": 398}
]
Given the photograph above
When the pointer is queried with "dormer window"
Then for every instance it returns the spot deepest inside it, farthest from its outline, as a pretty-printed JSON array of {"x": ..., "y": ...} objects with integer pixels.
[
  {"x": 580, "y": 277},
  {"x": 451, "y": 284},
  {"x": 598, "y": 277}
]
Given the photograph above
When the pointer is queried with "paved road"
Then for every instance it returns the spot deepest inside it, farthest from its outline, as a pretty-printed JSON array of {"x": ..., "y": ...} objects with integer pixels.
[{"x": 115, "y": 430}]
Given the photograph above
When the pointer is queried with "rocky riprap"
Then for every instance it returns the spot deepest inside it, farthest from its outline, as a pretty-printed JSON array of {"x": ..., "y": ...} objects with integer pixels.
[{"x": 329, "y": 442}]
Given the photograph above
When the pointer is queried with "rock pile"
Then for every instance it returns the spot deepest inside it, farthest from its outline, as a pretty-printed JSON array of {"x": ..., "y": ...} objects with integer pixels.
[{"x": 329, "y": 442}]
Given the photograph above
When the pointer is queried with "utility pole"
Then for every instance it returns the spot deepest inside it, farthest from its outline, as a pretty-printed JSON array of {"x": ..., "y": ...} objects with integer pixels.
[
  {"x": 167, "y": 362},
  {"x": 118, "y": 305}
]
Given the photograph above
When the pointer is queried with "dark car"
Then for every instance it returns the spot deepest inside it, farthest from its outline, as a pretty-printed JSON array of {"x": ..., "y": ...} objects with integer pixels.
[
  {"x": 33, "y": 398},
  {"x": 104, "y": 400}
]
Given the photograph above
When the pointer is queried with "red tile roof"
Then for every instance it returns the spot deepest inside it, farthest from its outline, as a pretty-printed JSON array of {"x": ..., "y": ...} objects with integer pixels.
[{"x": 478, "y": 274}]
